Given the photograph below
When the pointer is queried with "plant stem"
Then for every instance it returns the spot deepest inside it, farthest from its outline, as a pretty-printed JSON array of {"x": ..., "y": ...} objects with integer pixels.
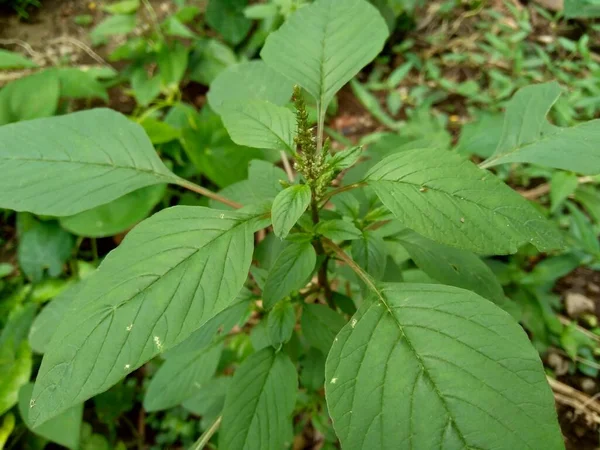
[
  {"x": 203, "y": 440},
  {"x": 341, "y": 254},
  {"x": 287, "y": 166},
  {"x": 322, "y": 274},
  {"x": 339, "y": 190},
  {"x": 208, "y": 193},
  {"x": 320, "y": 125}
]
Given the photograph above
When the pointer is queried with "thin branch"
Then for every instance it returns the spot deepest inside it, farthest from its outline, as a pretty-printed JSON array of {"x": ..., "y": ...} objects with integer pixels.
[
  {"x": 28, "y": 48},
  {"x": 287, "y": 166},
  {"x": 580, "y": 401},
  {"x": 543, "y": 189},
  {"x": 208, "y": 193},
  {"x": 77, "y": 43},
  {"x": 203, "y": 440},
  {"x": 339, "y": 190}
]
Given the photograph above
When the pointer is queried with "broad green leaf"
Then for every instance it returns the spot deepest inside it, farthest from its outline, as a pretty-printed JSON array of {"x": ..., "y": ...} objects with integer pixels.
[
  {"x": 88, "y": 158},
  {"x": 181, "y": 376},
  {"x": 482, "y": 136},
  {"x": 287, "y": 208},
  {"x": 431, "y": 366},
  {"x": 160, "y": 132},
  {"x": 145, "y": 87},
  {"x": 280, "y": 323},
  {"x": 227, "y": 17},
  {"x": 46, "y": 323},
  {"x": 64, "y": 429},
  {"x": 13, "y": 60},
  {"x": 209, "y": 58},
  {"x": 346, "y": 158},
  {"x": 339, "y": 230},
  {"x": 527, "y": 136},
  {"x": 261, "y": 124},
  {"x": 312, "y": 374},
  {"x": 144, "y": 299},
  {"x": 252, "y": 80},
  {"x": 323, "y": 45},
  {"x": 452, "y": 266},
  {"x": 122, "y": 7},
  {"x": 589, "y": 197},
  {"x": 290, "y": 272},
  {"x": 369, "y": 252},
  {"x": 449, "y": 200},
  {"x": 562, "y": 185},
  {"x": 117, "y": 216},
  {"x": 320, "y": 325},
  {"x": 46, "y": 246},
  {"x": 32, "y": 97},
  {"x": 111, "y": 26},
  {"x": 209, "y": 401},
  {"x": 172, "y": 62},
  {"x": 259, "y": 403},
  {"x": 78, "y": 84}
]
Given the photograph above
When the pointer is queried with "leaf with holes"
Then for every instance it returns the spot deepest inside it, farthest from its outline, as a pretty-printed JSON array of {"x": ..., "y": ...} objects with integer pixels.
[
  {"x": 144, "y": 299},
  {"x": 528, "y": 137},
  {"x": 448, "y": 199},
  {"x": 431, "y": 366},
  {"x": 261, "y": 124},
  {"x": 323, "y": 45},
  {"x": 87, "y": 159},
  {"x": 259, "y": 404}
]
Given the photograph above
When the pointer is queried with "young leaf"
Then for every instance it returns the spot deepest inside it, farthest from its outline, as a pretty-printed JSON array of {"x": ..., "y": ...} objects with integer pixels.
[
  {"x": 64, "y": 429},
  {"x": 528, "y": 137},
  {"x": 88, "y": 158},
  {"x": 452, "y": 266},
  {"x": 259, "y": 403},
  {"x": 323, "y": 45},
  {"x": 261, "y": 124},
  {"x": 346, "y": 158},
  {"x": 449, "y": 200},
  {"x": 290, "y": 272},
  {"x": 339, "y": 230},
  {"x": 13, "y": 60},
  {"x": 144, "y": 299},
  {"x": 227, "y": 17},
  {"x": 252, "y": 80},
  {"x": 280, "y": 323},
  {"x": 431, "y": 366},
  {"x": 369, "y": 253},
  {"x": 288, "y": 206},
  {"x": 181, "y": 377},
  {"x": 116, "y": 216},
  {"x": 320, "y": 324}
]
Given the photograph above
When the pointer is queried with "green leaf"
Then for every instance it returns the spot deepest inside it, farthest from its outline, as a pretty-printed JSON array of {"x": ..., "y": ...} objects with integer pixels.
[
  {"x": 582, "y": 8},
  {"x": 46, "y": 323},
  {"x": 45, "y": 246},
  {"x": 339, "y": 230},
  {"x": 369, "y": 253},
  {"x": 77, "y": 84},
  {"x": 117, "y": 216},
  {"x": 144, "y": 299},
  {"x": 261, "y": 186},
  {"x": 323, "y": 45},
  {"x": 227, "y": 17},
  {"x": 88, "y": 158},
  {"x": 252, "y": 80},
  {"x": 122, "y": 7},
  {"x": 111, "y": 26},
  {"x": 290, "y": 272},
  {"x": 312, "y": 374},
  {"x": 32, "y": 97},
  {"x": 261, "y": 124},
  {"x": 145, "y": 87},
  {"x": 209, "y": 401},
  {"x": 13, "y": 60},
  {"x": 320, "y": 325},
  {"x": 451, "y": 201},
  {"x": 482, "y": 136},
  {"x": 431, "y": 366},
  {"x": 288, "y": 206},
  {"x": 259, "y": 403},
  {"x": 172, "y": 62},
  {"x": 280, "y": 323},
  {"x": 160, "y": 132},
  {"x": 528, "y": 137},
  {"x": 209, "y": 58},
  {"x": 64, "y": 429},
  {"x": 562, "y": 185},
  {"x": 6, "y": 428},
  {"x": 452, "y": 266},
  {"x": 346, "y": 158},
  {"x": 181, "y": 377}
]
